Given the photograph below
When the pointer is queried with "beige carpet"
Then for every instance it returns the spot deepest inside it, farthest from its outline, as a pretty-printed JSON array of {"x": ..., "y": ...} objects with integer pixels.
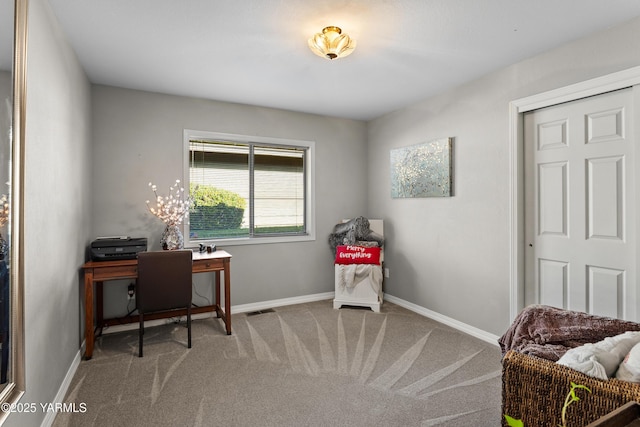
[{"x": 302, "y": 365}]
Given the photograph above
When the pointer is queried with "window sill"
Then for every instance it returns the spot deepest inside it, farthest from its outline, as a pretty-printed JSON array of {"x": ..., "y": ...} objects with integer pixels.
[{"x": 251, "y": 241}]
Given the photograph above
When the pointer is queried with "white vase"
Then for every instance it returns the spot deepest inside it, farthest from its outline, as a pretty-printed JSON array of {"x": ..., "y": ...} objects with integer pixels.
[{"x": 172, "y": 238}]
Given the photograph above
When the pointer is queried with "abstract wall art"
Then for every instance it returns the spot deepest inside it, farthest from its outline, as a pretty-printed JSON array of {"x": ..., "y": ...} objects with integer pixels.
[{"x": 423, "y": 170}]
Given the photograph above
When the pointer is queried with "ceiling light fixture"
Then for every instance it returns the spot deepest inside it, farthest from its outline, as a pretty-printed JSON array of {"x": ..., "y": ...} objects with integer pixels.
[{"x": 331, "y": 43}]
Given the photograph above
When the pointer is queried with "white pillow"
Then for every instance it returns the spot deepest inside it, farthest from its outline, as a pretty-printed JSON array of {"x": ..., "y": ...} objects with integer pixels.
[
  {"x": 601, "y": 359},
  {"x": 629, "y": 369}
]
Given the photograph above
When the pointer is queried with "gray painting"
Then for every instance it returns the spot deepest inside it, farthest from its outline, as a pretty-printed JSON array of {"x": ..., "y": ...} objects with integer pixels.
[{"x": 423, "y": 170}]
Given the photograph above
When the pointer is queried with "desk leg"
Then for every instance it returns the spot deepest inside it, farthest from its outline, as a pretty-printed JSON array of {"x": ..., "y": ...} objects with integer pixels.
[
  {"x": 88, "y": 312},
  {"x": 99, "y": 307},
  {"x": 217, "y": 291},
  {"x": 227, "y": 294}
]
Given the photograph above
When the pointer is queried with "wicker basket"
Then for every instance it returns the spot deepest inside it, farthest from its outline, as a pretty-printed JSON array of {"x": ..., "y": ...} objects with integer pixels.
[
  {"x": 628, "y": 415},
  {"x": 534, "y": 390}
]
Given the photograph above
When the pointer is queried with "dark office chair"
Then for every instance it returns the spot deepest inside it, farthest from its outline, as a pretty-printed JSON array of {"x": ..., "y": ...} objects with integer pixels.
[{"x": 164, "y": 283}]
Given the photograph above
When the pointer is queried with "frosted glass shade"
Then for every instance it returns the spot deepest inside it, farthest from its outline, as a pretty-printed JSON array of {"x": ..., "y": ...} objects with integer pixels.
[{"x": 331, "y": 43}]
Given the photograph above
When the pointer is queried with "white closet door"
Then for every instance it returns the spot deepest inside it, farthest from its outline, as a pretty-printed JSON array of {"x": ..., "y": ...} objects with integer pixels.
[{"x": 580, "y": 205}]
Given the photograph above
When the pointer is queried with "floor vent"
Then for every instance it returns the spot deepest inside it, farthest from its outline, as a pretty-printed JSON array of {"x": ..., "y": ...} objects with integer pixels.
[{"x": 254, "y": 313}]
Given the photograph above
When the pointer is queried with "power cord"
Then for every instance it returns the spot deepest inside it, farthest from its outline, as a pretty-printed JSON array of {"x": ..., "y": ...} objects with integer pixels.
[{"x": 201, "y": 296}]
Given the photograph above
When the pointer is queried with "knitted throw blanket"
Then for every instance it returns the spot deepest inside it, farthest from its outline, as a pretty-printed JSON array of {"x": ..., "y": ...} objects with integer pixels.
[{"x": 548, "y": 332}]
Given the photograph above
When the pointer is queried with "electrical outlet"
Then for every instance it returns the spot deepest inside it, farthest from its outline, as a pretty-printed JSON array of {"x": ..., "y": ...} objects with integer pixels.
[
  {"x": 131, "y": 291},
  {"x": 386, "y": 273}
]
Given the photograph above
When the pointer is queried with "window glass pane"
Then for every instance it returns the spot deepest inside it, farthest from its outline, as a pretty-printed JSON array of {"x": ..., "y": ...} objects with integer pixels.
[
  {"x": 278, "y": 190},
  {"x": 247, "y": 189},
  {"x": 219, "y": 185}
]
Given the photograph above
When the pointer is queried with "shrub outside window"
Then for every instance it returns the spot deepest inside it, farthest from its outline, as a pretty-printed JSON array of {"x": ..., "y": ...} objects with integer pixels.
[{"x": 248, "y": 189}]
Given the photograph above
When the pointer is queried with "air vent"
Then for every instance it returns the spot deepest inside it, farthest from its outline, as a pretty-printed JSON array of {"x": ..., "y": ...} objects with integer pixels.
[{"x": 254, "y": 313}]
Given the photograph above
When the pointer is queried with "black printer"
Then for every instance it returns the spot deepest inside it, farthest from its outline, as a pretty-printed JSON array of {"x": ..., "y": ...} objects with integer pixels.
[{"x": 115, "y": 248}]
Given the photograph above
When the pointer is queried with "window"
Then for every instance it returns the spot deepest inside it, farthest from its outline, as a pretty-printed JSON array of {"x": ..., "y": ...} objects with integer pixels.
[{"x": 248, "y": 189}]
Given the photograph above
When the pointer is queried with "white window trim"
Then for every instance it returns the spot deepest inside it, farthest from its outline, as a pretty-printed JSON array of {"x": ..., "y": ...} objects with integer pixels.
[{"x": 310, "y": 207}]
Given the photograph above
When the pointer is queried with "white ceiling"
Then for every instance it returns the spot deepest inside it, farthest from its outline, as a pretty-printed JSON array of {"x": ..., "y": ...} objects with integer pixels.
[{"x": 255, "y": 51}]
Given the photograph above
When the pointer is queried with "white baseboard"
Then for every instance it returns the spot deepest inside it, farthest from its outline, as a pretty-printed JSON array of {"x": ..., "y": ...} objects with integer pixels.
[
  {"x": 246, "y": 308},
  {"x": 235, "y": 309},
  {"x": 456, "y": 324},
  {"x": 64, "y": 388},
  {"x": 263, "y": 305},
  {"x": 463, "y": 327}
]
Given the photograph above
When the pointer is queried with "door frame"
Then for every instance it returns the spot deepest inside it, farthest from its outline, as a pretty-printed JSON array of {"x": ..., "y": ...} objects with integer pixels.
[{"x": 517, "y": 108}]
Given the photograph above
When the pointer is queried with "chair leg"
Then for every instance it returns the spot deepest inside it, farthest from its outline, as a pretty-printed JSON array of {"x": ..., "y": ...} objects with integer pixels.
[
  {"x": 189, "y": 326},
  {"x": 140, "y": 333}
]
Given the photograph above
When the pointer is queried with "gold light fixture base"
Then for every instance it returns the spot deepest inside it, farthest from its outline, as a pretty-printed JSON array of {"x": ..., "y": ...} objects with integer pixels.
[{"x": 331, "y": 43}]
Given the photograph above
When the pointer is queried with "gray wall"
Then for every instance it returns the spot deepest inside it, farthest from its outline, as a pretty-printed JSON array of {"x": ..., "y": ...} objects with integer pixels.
[
  {"x": 56, "y": 208},
  {"x": 451, "y": 255},
  {"x": 138, "y": 138}
]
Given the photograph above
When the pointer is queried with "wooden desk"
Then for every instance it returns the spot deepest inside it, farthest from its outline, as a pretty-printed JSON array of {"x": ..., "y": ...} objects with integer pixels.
[{"x": 99, "y": 272}]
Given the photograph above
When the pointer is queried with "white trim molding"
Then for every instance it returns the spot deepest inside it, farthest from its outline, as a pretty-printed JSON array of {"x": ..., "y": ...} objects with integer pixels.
[
  {"x": 596, "y": 86},
  {"x": 63, "y": 390},
  {"x": 235, "y": 309},
  {"x": 456, "y": 324}
]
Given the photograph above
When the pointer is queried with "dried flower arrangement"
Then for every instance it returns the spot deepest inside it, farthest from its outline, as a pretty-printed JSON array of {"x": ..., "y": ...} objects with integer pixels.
[
  {"x": 4, "y": 210},
  {"x": 171, "y": 209}
]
